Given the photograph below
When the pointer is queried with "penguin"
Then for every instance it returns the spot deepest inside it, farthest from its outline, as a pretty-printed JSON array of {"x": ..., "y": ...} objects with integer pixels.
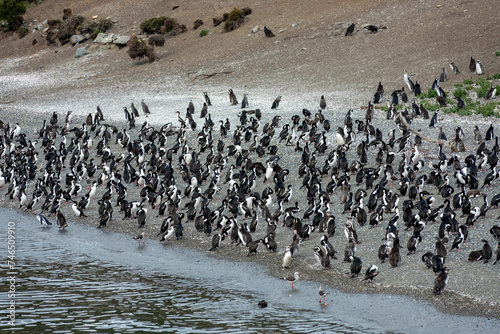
[
  {"x": 491, "y": 92},
  {"x": 434, "y": 119},
  {"x": 472, "y": 64},
  {"x": 268, "y": 32},
  {"x": 371, "y": 272},
  {"x": 497, "y": 253},
  {"x": 322, "y": 258},
  {"x": 169, "y": 235},
  {"x": 454, "y": 68},
  {"x": 443, "y": 76},
  {"x": 253, "y": 246},
  {"x": 276, "y": 102},
  {"x": 207, "y": 99},
  {"x": 372, "y": 28},
  {"x": 394, "y": 255},
  {"x": 441, "y": 281},
  {"x": 262, "y": 304},
  {"x": 244, "y": 235},
  {"x": 350, "y": 29},
  {"x": 489, "y": 133},
  {"x": 356, "y": 266},
  {"x": 328, "y": 247},
  {"x": 232, "y": 98},
  {"x": 78, "y": 212},
  {"x": 322, "y": 102},
  {"x": 145, "y": 108},
  {"x": 287, "y": 258},
  {"x": 486, "y": 252},
  {"x": 43, "y": 220},
  {"x": 479, "y": 67},
  {"x": 244, "y": 101},
  {"x": 61, "y": 220}
]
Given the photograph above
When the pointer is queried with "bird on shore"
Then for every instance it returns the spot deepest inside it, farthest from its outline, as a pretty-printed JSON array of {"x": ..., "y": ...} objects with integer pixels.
[
  {"x": 372, "y": 28},
  {"x": 145, "y": 108},
  {"x": 287, "y": 258},
  {"x": 356, "y": 265},
  {"x": 140, "y": 238},
  {"x": 61, "y": 220},
  {"x": 268, "y": 32},
  {"x": 441, "y": 281},
  {"x": 491, "y": 92},
  {"x": 207, "y": 99},
  {"x": 322, "y": 102},
  {"x": 454, "y": 68},
  {"x": 479, "y": 67},
  {"x": 350, "y": 29},
  {"x": 43, "y": 220},
  {"x": 371, "y": 272},
  {"x": 292, "y": 279},
  {"x": 322, "y": 295},
  {"x": 472, "y": 64},
  {"x": 276, "y": 102},
  {"x": 232, "y": 98}
]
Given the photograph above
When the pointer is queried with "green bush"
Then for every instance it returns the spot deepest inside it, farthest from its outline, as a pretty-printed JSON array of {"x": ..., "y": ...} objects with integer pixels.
[
  {"x": 153, "y": 26},
  {"x": 23, "y": 31},
  {"x": 488, "y": 109},
  {"x": 497, "y": 53},
  {"x": 484, "y": 86},
  {"x": 468, "y": 82},
  {"x": 460, "y": 92},
  {"x": 68, "y": 28},
  {"x": 431, "y": 93},
  {"x": 10, "y": 12},
  {"x": 496, "y": 76},
  {"x": 459, "y": 85},
  {"x": 203, "y": 33},
  {"x": 469, "y": 87}
]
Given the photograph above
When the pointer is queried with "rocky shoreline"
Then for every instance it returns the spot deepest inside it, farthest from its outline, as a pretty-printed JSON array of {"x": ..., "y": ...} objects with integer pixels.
[{"x": 471, "y": 289}]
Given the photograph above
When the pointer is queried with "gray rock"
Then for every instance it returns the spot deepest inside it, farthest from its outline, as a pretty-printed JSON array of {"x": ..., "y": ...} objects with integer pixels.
[
  {"x": 103, "y": 38},
  {"x": 80, "y": 52},
  {"x": 121, "y": 39},
  {"x": 255, "y": 29},
  {"x": 76, "y": 39}
]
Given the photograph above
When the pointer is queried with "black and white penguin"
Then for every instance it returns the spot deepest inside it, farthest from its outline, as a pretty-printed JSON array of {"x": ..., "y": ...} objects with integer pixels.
[
  {"x": 434, "y": 119},
  {"x": 244, "y": 235},
  {"x": 287, "y": 258},
  {"x": 244, "y": 101},
  {"x": 322, "y": 102},
  {"x": 232, "y": 98},
  {"x": 454, "y": 68},
  {"x": 490, "y": 133},
  {"x": 491, "y": 92},
  {"x": 328, "y": 247},
  {"x": 443, "y": 76},
  {"x": 43, "y": 220},
  {"x": 61, "y": 220},
  {"x": 207, "y": 99},
  {"x": 371, "y": 272},
  {"x": 78, "y": 212},
  {"x": 479, "y": 67},
  {"x": 322, "y": 258}
]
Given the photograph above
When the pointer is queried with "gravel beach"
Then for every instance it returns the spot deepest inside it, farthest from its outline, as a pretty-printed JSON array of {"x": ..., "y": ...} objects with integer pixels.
[
  {"x": 309, "y": 58},
  {"x": 471, "y": 289}
]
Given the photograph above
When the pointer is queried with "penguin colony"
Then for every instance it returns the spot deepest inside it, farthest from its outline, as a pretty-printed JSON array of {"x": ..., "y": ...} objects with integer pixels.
[{"x": 227, "y": 185}]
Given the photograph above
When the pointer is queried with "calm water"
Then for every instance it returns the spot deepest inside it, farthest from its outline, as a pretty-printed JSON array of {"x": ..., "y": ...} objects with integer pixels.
[{"x": 88, "y": 280}]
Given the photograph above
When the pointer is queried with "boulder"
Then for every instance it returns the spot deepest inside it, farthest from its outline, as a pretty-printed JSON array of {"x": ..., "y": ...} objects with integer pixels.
[
  {"x": 103, "y": 38},
  {"x": 121, "y": 39},
  {"x": 76, "y": 39},
  {"x": 80, "y": 52}
]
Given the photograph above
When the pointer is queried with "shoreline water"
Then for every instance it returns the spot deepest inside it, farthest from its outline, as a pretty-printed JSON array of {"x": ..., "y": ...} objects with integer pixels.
[
  {"x": 358, "y": 312},
  {"x": 476, "y": 303}
]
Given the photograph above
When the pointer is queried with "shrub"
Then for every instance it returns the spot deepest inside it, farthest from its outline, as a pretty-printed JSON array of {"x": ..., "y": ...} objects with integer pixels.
[
  {"x": 460, "y": 92},
  {"x": 496, "y": 76},
  {"x": 431, "y": 93},
  {"x": 468, "y": 82},
  {"x": 497, "y": 53},
  {"x": 197, "y": 24},
  {"x": 96, "y": 27},
  {"x": 203, "y": 33},
  {"x": 469, "y": 88},
  {"x": 153, "y": 26},
  {"x": 156, "y": 40},
  {"x": 68, "y": 28},
  {"x": 488, "y": 109},
  {"x": 484, "y": 86},
  {"x": 234, "y": 19},
  {"x": 139, "y": 49},
  {"x": 23, "y": 31},
  {"x": 11, "y": 11}
]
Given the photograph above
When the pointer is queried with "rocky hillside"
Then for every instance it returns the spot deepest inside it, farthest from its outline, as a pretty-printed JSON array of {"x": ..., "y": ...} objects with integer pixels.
[{"x": 309, "y": 51}]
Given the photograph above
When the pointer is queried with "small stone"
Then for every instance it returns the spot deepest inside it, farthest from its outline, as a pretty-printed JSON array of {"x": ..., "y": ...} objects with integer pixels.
[
  {"x": 255, "y": 29},
  {"x": 114, "y": 21},
  {"x": 103, "y": 38},
  {"x": 295, "y": 25},
  {"x": 95, "y": 17},
  {"x": 80, "y": 52},
  {"x": 439, "y": 6},
  {"x": 76, "y": 39},
  {"x": 282, "y": 30}
]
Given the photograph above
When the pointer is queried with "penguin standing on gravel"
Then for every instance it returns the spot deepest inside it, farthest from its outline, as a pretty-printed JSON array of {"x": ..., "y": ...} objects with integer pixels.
[
  {"x": 268, "y": 32},
  {"x": 472, "y": 64},
  {"x": 350, "y": 29},
  {"x": 479, "y": 67}
]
